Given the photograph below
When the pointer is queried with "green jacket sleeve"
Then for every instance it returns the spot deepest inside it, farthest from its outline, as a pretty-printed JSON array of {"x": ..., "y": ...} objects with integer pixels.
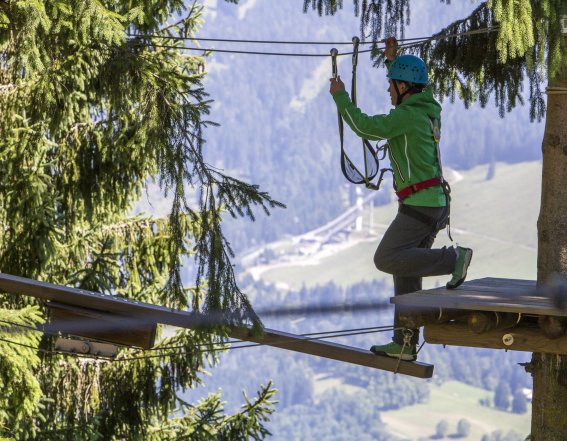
[{"x": 369, "y": 127}]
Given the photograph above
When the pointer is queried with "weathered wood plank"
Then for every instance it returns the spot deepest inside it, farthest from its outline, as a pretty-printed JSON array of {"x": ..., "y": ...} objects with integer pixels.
[
  {"x": 529, "y": 339},
  {"x": 145, "y": 313},
  {"x": 498, "y": 295},
  {"x": 335, "y": 351}
]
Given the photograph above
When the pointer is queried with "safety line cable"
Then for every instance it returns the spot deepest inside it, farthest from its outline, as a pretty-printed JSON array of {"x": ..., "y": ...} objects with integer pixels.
[
  {"x": 310, "y": 337},
  {"x": 409, "y": 42},
  {"x": 326, "y": 334},
  {"x": 252, "y": 345},
  {"x": 231, "y": 40},
  {"x": 229, "y": 51},
  {"x": 291, "y": 42}
]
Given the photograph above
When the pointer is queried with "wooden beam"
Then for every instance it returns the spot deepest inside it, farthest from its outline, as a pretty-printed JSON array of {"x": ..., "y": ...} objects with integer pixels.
[
  {"x": 521, "y": 338},
  {"x": 335, "y": 351},
  {"x": 480, "y": 322},
  {"x": 145, "y": 313},
  {"x": 417, "y": 318}
]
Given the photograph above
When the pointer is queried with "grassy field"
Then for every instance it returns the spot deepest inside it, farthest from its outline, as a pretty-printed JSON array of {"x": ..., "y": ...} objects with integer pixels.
[
  {"x": 497, "y": 218},
  {"x": 453, "y": 401}
]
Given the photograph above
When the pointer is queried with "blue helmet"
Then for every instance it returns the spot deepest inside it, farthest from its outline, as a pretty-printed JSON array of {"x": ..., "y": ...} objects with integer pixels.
[{"x": 409, "y": 68}]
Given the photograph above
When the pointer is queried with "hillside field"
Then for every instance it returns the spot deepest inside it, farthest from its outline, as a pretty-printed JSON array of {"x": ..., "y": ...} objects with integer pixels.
[{"x": 496, "y": 217}]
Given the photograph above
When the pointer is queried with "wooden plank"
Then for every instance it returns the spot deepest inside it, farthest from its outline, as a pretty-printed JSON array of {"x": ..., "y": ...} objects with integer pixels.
[
  {"x": 529, "y": 339},
  {"x": 146, "y": 313},
  {"x": 97, "y": 325},
  {"x": 335, "y": 351},
  {"x": 489, "y": 294}
]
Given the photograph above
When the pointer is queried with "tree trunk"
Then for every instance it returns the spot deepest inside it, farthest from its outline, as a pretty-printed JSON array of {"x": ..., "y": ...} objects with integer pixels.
[{"x": 549, "y": 412}]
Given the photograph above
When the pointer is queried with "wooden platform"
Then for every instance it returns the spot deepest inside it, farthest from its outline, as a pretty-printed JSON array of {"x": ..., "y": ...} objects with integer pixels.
[
  {"x": 529, "y": 319},
  {"x": 489, "y": 294},
  {"x": 144, "y": 314}
]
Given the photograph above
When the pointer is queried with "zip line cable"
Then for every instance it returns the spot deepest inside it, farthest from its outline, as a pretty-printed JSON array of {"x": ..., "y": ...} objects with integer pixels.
[
  {"x": 291, "y": 42},
  {"x": 406, "y": 42},
  {"x": 229, "y": 51},
  {"x": 230, "y": 40}
]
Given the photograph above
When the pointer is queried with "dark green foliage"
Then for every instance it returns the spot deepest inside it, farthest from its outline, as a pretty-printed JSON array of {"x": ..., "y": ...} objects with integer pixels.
[
  {"x": 328, "y": 7},
  {"x": 90, "y": 117},
  {"x": 21, "y": 394},
  {"x": 528, "y": 44}
]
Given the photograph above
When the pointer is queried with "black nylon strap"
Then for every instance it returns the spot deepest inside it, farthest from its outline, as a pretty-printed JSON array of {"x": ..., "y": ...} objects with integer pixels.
[
  {"x": 349, "y": 169},
  {"x": 408, "y": 210}
]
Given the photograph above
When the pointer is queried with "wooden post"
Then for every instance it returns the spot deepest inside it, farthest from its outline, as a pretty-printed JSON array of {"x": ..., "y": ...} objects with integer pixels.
[
  {"x": 549, "y": 405},
  {"x": 552, "y": 327}
]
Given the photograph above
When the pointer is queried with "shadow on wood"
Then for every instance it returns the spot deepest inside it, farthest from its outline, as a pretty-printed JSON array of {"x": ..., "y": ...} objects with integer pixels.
[{"x": 98, "y": 325}]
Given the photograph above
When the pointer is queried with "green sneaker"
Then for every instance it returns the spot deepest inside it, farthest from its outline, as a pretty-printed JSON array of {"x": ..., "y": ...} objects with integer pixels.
[
  {"x": 463, "y": 261},
  {"x": 394, "y": 350}
]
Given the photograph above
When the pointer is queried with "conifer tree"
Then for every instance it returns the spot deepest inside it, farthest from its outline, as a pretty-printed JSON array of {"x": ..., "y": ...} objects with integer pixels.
[
  {"x": 94, "y": 107},
  {"x": 525, "y": 44}
]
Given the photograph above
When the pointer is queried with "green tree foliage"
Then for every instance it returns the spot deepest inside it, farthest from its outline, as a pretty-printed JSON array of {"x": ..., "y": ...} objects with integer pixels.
[
  {"x": 21, "y": 392},
  {"x": 93, "y": 108},
  {"x": 527, "y": 42}
]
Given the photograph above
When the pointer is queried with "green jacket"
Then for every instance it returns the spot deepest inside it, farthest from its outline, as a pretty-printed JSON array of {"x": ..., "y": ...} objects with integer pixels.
[{"x": 413, "y": 151}]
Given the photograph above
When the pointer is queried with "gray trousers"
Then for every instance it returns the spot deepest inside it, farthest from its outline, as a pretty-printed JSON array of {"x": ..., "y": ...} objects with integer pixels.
[{"x": 405, "y": 252}]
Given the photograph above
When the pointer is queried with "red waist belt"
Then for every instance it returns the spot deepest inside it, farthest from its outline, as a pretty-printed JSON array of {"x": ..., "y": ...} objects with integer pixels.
[{"x": 411, "y": 189}]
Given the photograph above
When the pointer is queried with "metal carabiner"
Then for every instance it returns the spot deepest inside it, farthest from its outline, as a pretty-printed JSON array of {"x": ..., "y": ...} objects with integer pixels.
[
  {"x": 355, "y": 43},
  {"x": 335, "y": 72}
]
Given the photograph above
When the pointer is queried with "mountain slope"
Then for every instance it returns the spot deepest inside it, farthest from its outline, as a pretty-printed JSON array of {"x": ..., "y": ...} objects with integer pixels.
[{"x": 496, "y": 217}]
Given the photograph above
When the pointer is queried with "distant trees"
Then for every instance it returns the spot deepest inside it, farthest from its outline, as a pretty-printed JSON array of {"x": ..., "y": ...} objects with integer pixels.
[
  {"x": 498, "y": 435},
  {"x": 502, "y": 396},
  {"x": 519, "y": 402},
  {"x": 463, "y": 427},
  {"x": 442, "y": 429}
]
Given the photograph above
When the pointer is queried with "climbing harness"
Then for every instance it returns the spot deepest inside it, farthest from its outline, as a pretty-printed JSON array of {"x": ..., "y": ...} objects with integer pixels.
[
  {"x": 371, "y": 159},
  {"x": 406, "y": 192}
]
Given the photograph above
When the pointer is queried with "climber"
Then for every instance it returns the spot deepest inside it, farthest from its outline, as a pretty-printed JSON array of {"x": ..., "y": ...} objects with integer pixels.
[{"x": 412, "y": 129}]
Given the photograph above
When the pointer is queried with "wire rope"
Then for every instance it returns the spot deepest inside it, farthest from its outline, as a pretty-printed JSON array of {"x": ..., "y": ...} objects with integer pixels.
[
  {"x": 303, "y": 43},
  {"x": 252, "y": 345},
  {"x": 406, "y": 42},
  {"x": 235, "y": 344}
]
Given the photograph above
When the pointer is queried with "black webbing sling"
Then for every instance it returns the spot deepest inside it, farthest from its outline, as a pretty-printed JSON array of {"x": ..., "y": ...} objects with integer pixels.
[{"x": 371, "y": 161}]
